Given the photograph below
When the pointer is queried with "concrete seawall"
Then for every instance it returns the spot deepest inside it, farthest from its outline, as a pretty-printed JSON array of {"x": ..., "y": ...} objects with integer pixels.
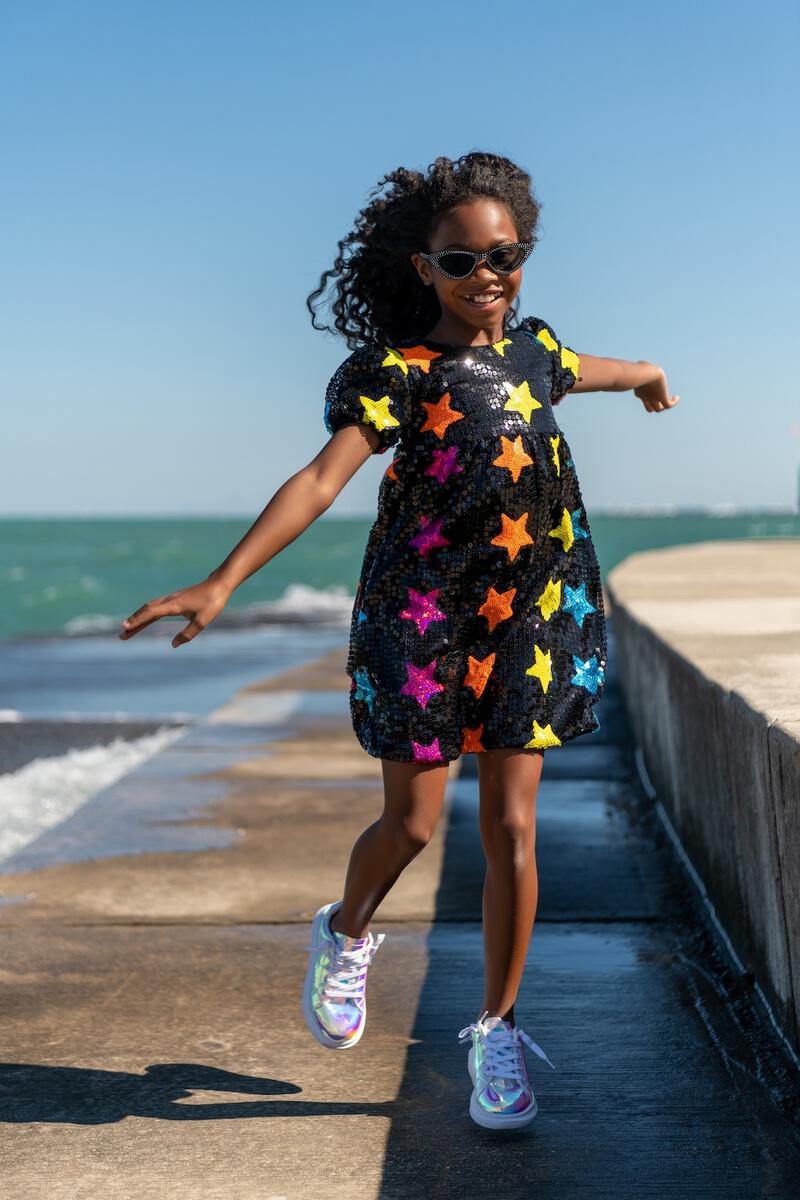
[{"x": 708, "y": 647}]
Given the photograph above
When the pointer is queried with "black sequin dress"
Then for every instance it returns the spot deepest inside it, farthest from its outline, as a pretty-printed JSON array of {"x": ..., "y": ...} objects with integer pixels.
[{"x": 478, "y": 618}]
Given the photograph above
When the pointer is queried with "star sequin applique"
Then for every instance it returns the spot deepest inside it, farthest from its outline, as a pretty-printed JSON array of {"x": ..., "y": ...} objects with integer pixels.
[
  {"x": 497, "y": 607},
  {"x": 478, "y": 672},
  {"x": 394, "y": 358},
  {"x": 440, "y": 416},
  {"x": 363, "y": 687},
  {"x": 541, "y": 668},
  {"x": 472, "y": 740},
  {"x": 420, "y": 683},
  {"x": 500, "y": 346},
  {"x": 429, "y": 537},
  {"x": 420, "y": 356},
  {"x": 390, "y": 471},
  {"x": 543, "y": 737},
  {"x": 550, "y": 599},
  {"x": 577, "y": 531},
  {"x": 588, "y": 674},
  {"x": 426, "y": 753},
  {"x": 444, "y": 464},
  {"x": 555, "y": 442},
  {"x": 514, "y": 456},
  {"x": 376, "y": 412},
  {"x": 520, "y": 399},
  {"x": 563, "y": 531},
  {"x": 575, "y": 602},
  {"x": 422, "y": 608},
  {"x": 513, "y": 536},
  {"x": 570, "y": 360},
  {"x": 362, "y": 616}
]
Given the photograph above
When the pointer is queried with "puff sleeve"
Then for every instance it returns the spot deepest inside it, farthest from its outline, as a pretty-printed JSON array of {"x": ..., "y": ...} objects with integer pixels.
[
  {"x": 371, "y": 387},
  {"x": 564, "y": 362}
]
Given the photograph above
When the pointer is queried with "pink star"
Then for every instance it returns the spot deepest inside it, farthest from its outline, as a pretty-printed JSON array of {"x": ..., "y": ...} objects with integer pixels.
[
  {"x": 423, "y": 609},
  {"x": 420, "y": 683},
  {"x": 429, "y": 753},
  {"x": 444, "y": 464},
  {"x": 429, "y": 537}
]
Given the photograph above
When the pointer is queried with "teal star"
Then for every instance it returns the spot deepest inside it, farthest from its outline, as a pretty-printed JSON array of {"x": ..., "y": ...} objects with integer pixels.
[
  {"x": 588, "y": 674},
  {"x": 364, "y": 689},
  {"x": 577, "y": 532},
  {"x": 362, "y": 616},
  {"x": 575, "y": 602}
]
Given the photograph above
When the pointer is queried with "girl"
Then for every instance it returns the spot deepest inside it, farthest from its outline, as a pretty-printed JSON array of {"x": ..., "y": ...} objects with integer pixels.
[{"x": 478, "y": 624}]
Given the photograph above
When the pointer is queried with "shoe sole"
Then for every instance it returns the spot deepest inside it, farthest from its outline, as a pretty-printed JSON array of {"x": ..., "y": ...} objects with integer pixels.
[
  {"x": 311, "y": 1018},
  {"x": 496, "y": 1120}
]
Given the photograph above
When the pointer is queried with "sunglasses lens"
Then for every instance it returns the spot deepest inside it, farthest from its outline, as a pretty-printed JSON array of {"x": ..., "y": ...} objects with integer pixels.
[
  {"x": 457, "y": 263},
  {"x": 507, "y": 258}
]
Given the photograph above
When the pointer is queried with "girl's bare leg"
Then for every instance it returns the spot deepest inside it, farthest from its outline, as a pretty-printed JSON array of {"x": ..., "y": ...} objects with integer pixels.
[
  {"x": 413, "y": 795},
  {"x": 509, "y": 781}
]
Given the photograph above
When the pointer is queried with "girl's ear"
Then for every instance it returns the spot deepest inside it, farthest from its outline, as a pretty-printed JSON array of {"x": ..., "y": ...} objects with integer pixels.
[{"x": 423, "y": 269}]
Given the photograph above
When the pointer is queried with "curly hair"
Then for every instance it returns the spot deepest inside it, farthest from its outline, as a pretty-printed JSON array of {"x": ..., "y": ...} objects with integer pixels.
[{"x": 378, "y": 294}]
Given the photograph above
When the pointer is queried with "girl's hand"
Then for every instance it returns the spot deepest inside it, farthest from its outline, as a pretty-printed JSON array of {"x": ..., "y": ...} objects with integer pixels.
[
  {"x": 654, "y": 394},
  {"x": 202, "y": 603}
]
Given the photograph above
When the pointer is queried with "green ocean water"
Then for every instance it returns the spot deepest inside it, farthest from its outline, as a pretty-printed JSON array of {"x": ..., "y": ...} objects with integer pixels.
[{"x": 83, "y": 575}]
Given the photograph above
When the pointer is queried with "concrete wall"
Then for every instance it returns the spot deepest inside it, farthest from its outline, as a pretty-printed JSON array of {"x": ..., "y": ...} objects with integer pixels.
[{"x": 708, "y": 647}]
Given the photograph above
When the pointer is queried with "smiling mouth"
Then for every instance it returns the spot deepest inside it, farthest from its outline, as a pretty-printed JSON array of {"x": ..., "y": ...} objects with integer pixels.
[{"x": 483, "y": 299}]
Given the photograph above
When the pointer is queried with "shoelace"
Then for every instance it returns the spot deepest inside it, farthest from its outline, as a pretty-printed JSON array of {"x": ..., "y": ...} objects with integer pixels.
[
  {"x": 347, "y": 974},
  {"x": 502, "y": 1049}
]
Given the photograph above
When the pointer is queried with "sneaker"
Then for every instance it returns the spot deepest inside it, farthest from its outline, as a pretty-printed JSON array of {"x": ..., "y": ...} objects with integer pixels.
[
  {"x": 502, "y": 1097},
  {"x": 334, "y": 999}
]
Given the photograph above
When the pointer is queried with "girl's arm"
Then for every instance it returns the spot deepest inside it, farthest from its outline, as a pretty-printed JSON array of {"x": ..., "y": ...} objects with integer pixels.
[
  {"x": 296, "y": 505},
  {"x": 647, "y": 380}
]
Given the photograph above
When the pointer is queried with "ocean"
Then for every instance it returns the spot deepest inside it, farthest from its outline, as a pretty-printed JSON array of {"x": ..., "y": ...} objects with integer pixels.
[{"x": 79, "y": 708}]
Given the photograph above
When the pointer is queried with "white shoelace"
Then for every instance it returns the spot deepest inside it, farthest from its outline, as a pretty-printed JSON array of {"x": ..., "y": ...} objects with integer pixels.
[
  {"x": 347, "y": 975},
  {"x": 502, "y": 1058}
]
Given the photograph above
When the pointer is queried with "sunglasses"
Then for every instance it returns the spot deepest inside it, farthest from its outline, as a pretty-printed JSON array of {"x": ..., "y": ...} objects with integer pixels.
[{"x": 460, "y": 264}]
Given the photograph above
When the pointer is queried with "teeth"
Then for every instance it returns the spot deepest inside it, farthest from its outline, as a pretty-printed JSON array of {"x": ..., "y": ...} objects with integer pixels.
[{"x": 484, "y": 296}]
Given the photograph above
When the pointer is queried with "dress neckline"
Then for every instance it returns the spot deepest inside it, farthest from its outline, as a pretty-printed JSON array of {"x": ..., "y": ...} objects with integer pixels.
[{"x": 460, "y": 345}]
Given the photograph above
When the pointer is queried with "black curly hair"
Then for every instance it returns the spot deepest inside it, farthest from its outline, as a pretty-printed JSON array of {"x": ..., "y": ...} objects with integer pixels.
[{"x": 378, "y": 294}]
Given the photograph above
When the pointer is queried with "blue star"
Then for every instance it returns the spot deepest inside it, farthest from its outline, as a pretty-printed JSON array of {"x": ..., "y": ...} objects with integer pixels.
[
  {"x": 570, "y": 463},
  {"x": 588, "y": 674},
  {"x": 577, "y": 532},
  {"x": 362, "y": 616},
  {"x": 364, "y": 689},
  {"x": 575, "y": 602}
]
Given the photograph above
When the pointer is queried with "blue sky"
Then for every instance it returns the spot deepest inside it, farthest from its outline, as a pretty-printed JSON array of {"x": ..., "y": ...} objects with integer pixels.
[{"x": 177, "y": 175}]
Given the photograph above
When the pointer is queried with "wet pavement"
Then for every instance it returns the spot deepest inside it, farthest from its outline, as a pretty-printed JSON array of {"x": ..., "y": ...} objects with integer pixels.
[{"x": 153, "y": 953}]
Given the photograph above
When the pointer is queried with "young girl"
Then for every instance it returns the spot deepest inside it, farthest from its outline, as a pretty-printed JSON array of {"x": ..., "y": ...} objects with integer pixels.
[{"x": 478, "y": 621}]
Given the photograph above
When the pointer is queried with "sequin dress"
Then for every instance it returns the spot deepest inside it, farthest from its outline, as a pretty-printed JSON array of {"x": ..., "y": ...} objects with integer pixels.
[{"x": 478, "y": 617}]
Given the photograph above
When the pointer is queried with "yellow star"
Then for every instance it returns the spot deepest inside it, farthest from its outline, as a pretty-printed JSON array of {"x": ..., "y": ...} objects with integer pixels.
[
  {"x": 514, "y": 456},
  {"x": 563, "y": 531},
  {"x": 376, "y": 412},
  {"x": 541, "y": 668},
  {"x": 570, "y": 360},
  {"x": 394, "y": 359},
  {"x": 550, "y": 599},
  {"x": 543, "y": 736},
  {"x": 520, "y": 399},
  {"x": 513, "y": 536},
  {"x": 500, "y": 347},
  {"x": 555, "y": 442},
  {"x": 547, "y": 339}
]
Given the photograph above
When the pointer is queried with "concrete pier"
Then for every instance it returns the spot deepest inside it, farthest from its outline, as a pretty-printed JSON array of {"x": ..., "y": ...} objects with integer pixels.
[{"x": 153, "y": 955}]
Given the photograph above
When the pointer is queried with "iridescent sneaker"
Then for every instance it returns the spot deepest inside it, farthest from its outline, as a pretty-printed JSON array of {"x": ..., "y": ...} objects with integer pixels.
[
  {"x": 502, "y": 1097},
  {"x": 334, "y": 996}
]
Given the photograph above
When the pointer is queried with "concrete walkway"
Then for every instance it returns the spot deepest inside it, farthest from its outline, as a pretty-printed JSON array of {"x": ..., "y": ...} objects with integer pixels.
[{"x": 153, "y": 954}]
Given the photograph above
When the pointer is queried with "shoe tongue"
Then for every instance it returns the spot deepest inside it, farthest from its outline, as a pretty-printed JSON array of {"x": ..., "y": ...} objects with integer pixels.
[
  {"x": 349, "y": 943},
  {"x": 495, "y": 1023}
]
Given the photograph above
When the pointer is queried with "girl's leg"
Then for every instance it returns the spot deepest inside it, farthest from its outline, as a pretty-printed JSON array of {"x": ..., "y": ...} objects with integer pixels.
[
  {"x": 509, "y": 780},
  {"x": 413, "y": 795}
]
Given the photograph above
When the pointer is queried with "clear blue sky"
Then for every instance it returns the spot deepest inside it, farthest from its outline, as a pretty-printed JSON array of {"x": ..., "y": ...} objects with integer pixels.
[{"x": 176, "y": 176}]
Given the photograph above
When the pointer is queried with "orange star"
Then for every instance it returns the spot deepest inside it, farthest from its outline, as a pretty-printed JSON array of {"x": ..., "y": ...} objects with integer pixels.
[
  {"x": 478, "y": 672},
  {"x": 514, "y": 535},
  {"x": 420, "y": 356},
  {"x": 472, "y": 740},
  {"x": 497, "y": 606},
  {"x": 514, "y": 456},
  {"x": 390, "y": 471},
  {"x": 440, "y": 416}
]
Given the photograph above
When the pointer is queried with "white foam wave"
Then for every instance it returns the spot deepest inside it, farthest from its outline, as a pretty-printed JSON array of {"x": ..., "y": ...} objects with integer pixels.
[{"x": 47, "y": 790}]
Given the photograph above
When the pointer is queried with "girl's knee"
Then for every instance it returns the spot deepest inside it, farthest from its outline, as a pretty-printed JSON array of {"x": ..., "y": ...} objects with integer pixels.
[{"x": 409, "y": 834}]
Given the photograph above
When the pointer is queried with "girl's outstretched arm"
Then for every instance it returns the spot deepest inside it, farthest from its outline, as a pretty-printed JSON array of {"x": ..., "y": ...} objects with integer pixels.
[
  {"x": 296, "y": 505},
  {"x": 647, "y": 380}
]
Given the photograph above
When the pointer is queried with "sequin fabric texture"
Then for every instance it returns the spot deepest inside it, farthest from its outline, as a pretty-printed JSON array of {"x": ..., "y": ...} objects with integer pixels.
[{"x": 478, "y": 617}]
